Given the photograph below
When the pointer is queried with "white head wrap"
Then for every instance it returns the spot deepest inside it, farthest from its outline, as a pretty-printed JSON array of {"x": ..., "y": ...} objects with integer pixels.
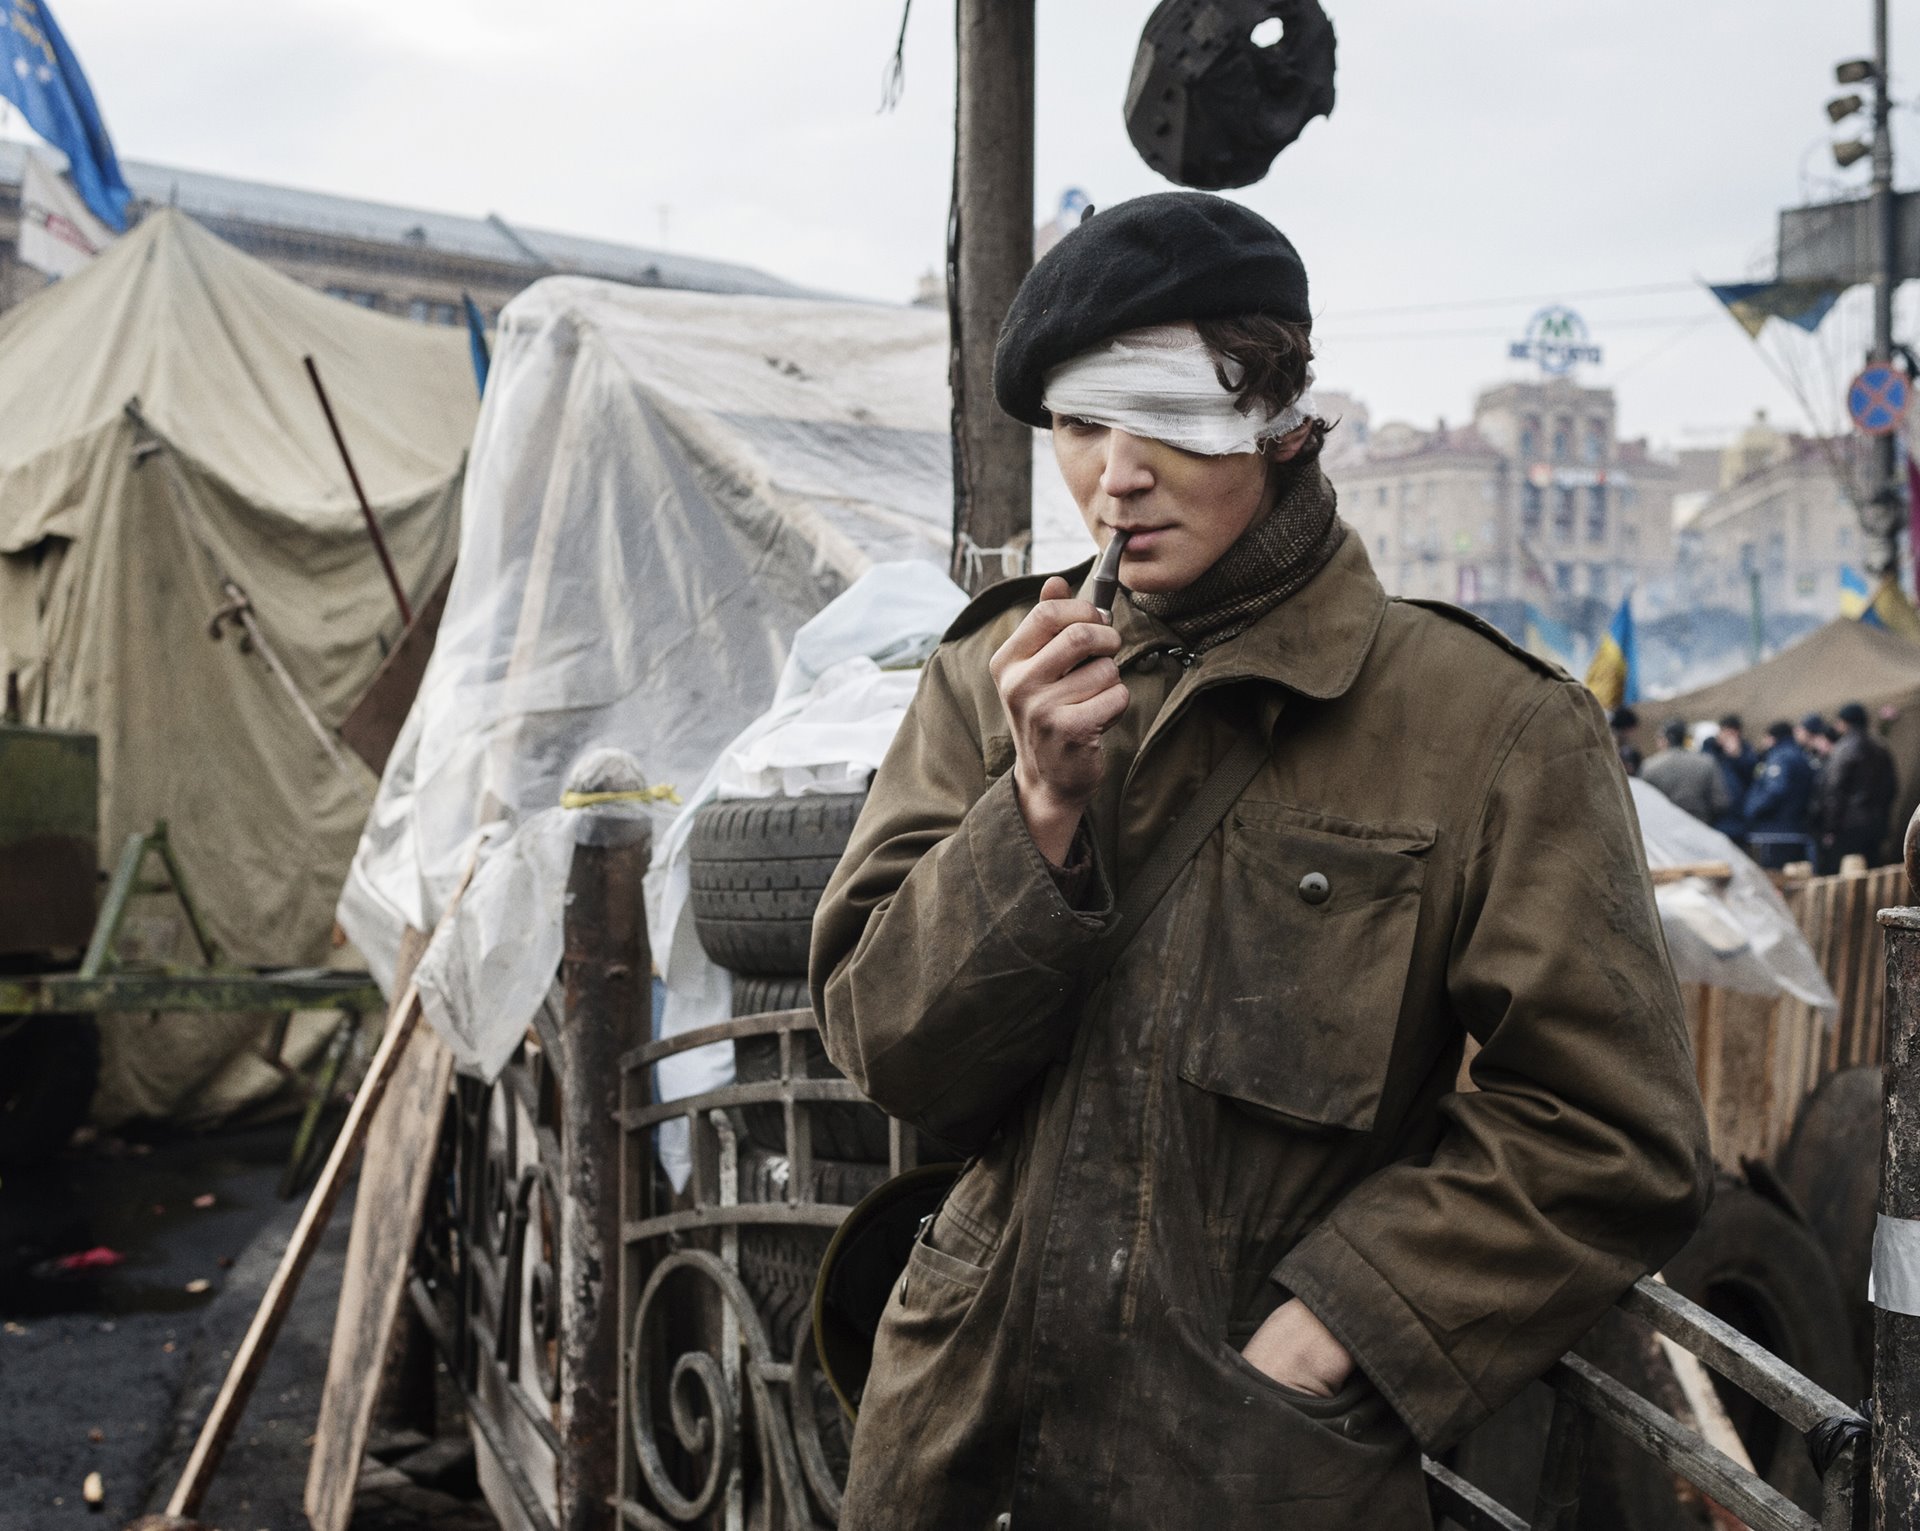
[{"x": 1160, "y": 383}]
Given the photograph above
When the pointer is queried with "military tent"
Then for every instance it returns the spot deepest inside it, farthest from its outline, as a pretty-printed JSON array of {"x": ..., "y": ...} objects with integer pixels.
[
  {"x": 1845, "y": 661},
  {"x": 163, "y": 461}
]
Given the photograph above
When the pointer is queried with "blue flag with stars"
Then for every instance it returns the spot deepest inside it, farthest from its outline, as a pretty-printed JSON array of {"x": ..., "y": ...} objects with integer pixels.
[{"x": 40, "y": 75}]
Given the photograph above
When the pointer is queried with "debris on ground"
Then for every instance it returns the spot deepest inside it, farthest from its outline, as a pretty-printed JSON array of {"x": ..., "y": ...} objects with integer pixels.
[{"x": 99, "y": 1258}]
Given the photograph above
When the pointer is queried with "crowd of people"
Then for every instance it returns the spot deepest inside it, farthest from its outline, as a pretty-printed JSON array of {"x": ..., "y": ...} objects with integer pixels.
[{"x": 1816, "y": 791}]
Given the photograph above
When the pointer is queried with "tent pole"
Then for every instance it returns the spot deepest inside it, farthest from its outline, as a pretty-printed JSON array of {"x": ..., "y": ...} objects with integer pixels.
[{"x": 366, "y": 510}]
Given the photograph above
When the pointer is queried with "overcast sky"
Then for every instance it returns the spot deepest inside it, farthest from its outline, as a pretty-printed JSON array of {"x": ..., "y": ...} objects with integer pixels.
[{"x": 1508, "y": 150}]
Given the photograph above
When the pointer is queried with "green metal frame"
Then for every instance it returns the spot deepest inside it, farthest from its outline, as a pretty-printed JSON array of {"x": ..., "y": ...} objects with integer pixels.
[
  {"x": 101, "y": 984},
  {"x": 120, "y": 894}
]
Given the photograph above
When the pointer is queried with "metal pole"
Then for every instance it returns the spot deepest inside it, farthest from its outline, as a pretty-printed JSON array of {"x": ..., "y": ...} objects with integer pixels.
[
  {"x": 366, "y": 510},
  {"x": 990, "y": 246},
  {"x": 1885, "y": 495},
  {"x": 1895, "y": 1483},
  {"x": 607, "y": 971}
]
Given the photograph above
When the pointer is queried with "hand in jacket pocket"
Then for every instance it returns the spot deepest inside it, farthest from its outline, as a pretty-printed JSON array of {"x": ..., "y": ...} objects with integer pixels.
[{"x": 1296, "y": 1350}]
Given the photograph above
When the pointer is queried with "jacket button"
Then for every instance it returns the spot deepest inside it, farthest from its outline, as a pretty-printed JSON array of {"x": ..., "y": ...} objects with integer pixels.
[{"x": 1314, "y": 888}]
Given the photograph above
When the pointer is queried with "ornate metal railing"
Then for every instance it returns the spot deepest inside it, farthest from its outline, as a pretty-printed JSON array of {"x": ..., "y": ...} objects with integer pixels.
[{"x": 724, "y": 1413}]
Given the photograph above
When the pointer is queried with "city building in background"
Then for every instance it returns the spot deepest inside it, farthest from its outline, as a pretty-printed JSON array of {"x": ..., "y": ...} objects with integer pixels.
[
  {"x": 404, "y": 261},
  {"x": 1779, "y": 524},
  {"x": 1534, "y": 502}
]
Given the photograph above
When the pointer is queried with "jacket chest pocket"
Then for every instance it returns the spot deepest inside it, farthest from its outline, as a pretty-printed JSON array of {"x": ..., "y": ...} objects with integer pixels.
[{"x": 1304, "y": 969}]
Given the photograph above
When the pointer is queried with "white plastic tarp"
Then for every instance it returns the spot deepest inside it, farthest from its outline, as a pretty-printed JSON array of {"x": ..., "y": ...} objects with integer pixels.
[
  {"x": 663, "y": 487},
  {"x": 841, "y": 699},
  {"x": 1738, "y": 935}
]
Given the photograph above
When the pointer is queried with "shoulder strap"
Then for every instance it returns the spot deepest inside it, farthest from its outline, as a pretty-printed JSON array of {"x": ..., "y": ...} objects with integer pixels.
[{"x": 1178, "y": 845}]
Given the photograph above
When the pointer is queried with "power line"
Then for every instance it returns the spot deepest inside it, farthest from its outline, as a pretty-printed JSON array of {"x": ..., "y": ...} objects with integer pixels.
[
  {"x": 1677, "y": 321},
  {"x": 1644, "y": 290}
]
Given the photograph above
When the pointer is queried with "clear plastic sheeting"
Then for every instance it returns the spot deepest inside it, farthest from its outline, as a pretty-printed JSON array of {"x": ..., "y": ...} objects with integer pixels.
[
  {"x": 663, "y": 487},
  {"x": 1738, "y": 935},
  {"x": 486, "y": 972},
  {"x": 834, "y": 716}
]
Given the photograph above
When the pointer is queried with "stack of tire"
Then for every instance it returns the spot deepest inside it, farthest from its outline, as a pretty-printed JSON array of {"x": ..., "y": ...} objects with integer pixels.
[{"x": 758, "y": 867}]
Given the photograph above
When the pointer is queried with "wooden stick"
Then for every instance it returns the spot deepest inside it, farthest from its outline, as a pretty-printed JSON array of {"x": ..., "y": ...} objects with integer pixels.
[
  {"x": 366, "y": 509},
  {"x": 268, "y": 1317},
  {"x": 249, "y": 1360},
  {"x": 1713, "y": 871}
]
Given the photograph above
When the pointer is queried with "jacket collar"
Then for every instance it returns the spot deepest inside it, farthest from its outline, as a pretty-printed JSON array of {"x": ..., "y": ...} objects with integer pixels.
[{"x": 1313, "y": 643}]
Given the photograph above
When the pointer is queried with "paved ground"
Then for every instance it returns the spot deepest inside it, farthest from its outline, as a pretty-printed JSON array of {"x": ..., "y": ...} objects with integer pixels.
[{"x": 112, "y": 1371}]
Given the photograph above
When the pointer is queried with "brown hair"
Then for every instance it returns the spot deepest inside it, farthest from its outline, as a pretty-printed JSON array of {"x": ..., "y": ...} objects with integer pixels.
[{"x": 1271, "y": 356}]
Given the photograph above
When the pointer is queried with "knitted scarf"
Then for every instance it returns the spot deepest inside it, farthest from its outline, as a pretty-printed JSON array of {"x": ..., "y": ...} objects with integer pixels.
[{"x": 1268, "y": 562}]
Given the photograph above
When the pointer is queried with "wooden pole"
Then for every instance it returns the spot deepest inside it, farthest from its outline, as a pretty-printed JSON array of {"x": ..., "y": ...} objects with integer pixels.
[
  {"x": 251, "y": 1358},
  {"x": 990, "y": 248},
  {"x": 366, "y": 508},
  {"x": 257, "y": 1344},
  {"x": 608, "y": 974},
  {"x": 1896, "y": 1242}
]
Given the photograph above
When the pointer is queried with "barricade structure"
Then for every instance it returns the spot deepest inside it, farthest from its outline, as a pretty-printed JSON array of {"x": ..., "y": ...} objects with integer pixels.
[
  {"x": 619, "y": 1369},
  {"x": 516, "y": 1276}
]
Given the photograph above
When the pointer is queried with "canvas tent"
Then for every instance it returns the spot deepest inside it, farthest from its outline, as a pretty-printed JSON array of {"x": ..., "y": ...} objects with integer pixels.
[
  {"x": 664, "y": 487},
  {"x": 160, "y": 442},
  {"x": 1845, "y": 661}
]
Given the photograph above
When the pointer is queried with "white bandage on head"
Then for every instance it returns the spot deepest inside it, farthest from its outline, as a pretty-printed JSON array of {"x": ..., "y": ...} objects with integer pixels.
[{"x": 1160, "y": 383}]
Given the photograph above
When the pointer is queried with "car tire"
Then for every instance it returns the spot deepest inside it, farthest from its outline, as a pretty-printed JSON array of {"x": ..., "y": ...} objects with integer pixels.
[
  {"x": 779, "y": 1264},
  {"x": 758, "y": 867},
  {"x": 1831, "y": 1168},
  {"x": 851, "y": 1130}
]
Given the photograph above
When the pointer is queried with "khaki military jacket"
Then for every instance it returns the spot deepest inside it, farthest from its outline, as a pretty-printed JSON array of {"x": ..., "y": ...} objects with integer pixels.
[{"x": 1259, "y": 1098}]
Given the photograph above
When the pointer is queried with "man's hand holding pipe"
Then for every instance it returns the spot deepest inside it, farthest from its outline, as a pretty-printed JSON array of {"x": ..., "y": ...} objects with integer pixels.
[{"x": 1062, "y": 691}]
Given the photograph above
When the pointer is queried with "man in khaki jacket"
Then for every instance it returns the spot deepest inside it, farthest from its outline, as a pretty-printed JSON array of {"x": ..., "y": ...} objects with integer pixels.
[{"x": 1231, "y": 1248}]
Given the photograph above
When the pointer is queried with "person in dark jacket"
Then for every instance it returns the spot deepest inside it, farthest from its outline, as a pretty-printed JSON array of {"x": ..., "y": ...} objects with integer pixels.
[
  {"x": 1692, "y": 780},
  {"x": 1625, "y": 723},
  {"x": 1811, "y": 734},
  {"x": 1742, "y": 760},
  {"x": 1859, "y": 790},
  {"x": 1776, "y": 807},
  {"x": 1736, "y": 774},
  {"x": 1231, "y": 1249}
]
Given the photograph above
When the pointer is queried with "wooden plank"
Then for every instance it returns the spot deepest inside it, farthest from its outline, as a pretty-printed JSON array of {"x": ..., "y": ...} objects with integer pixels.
[
  {"x": 373, "y": 724},
  {"x": 1798, "y": 1400},
  {"x": 394, "y": 1180},
  {"x": 1451, "y": 1497},
  {"x": 251, "y": 1356},
  {"x": 1658, "y": 1433},
  {"x": 1712, "y": 871}
]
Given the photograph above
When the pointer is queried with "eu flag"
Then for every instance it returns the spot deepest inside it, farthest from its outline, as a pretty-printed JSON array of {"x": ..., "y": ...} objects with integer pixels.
[
  {"x": 40, "y": 75},
  {"x": 477, "y": 342}
]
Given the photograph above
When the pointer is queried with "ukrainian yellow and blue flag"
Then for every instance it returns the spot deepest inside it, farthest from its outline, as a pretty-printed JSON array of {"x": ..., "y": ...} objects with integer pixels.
[
  {"x": 1614, "y": 675},
  {"x": 1883, "y": 604}
]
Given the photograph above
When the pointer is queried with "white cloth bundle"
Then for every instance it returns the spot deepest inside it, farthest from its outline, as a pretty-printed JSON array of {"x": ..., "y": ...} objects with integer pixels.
[{"x": 1160, "y": 384}]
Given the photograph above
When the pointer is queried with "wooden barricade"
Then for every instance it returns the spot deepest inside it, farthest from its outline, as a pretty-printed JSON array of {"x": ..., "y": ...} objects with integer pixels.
[{"x": 1758, "y": 1058}]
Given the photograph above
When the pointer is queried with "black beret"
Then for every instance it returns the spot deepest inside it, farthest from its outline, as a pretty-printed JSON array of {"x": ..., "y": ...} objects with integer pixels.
[{"x": 1171, "y": 258}]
